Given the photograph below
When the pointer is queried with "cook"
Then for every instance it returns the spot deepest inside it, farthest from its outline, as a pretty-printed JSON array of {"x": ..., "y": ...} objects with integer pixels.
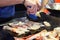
[{"x": 7, "y": 8}]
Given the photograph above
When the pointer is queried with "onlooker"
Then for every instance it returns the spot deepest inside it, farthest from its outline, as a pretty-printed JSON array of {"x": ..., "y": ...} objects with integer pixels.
[{"x": 5, "y": 35}]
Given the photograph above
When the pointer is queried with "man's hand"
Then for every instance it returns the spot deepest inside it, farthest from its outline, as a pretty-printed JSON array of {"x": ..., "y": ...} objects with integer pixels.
[{"x": 32, "y": 6}]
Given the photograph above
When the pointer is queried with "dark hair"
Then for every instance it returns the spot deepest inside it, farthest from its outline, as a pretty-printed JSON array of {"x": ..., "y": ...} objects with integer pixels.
[{"x": 5, "y": 35}]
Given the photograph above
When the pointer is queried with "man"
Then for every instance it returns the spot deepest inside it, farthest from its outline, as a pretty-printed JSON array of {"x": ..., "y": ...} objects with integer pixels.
[{"x": 7, "y": 8}]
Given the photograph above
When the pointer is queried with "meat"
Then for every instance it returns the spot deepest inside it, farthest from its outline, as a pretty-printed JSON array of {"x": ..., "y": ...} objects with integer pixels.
[
  {"x": 21, "y": 28},
  {"x": 47, "y": 24},
  {"x": 34, "y": 27}
]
